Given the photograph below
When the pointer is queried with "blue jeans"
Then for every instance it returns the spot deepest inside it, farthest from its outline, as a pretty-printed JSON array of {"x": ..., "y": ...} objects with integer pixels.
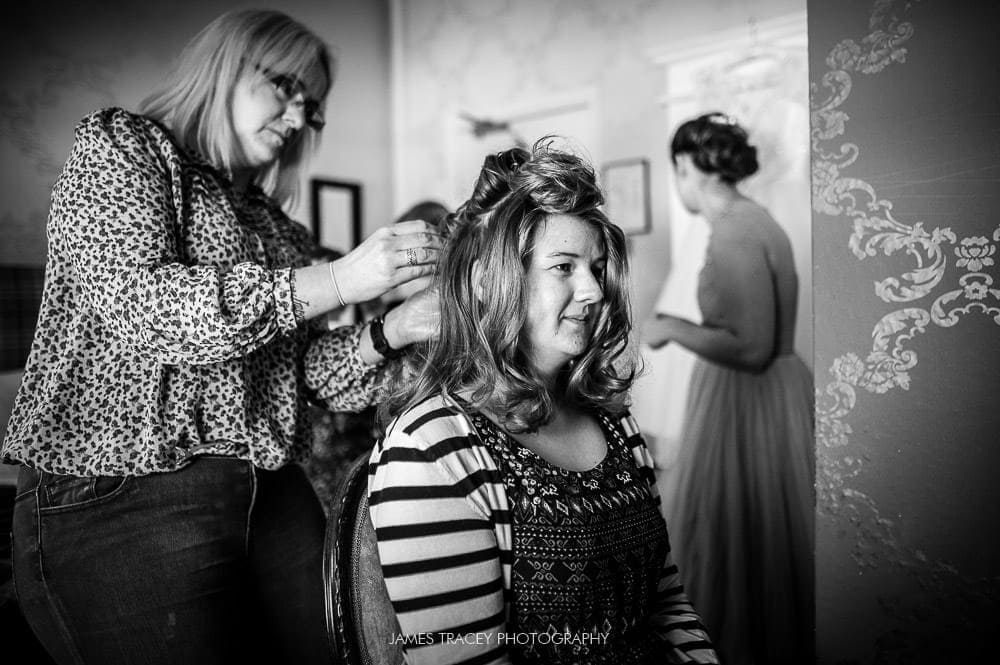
[{"x": 218, "y": 562}]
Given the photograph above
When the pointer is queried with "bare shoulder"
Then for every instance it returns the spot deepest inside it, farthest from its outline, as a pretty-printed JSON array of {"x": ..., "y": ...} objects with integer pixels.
[
  {"x": 740, "y": 241},
  {"x": 738, "y": 275},
  {"x": 752, "y": 229}
]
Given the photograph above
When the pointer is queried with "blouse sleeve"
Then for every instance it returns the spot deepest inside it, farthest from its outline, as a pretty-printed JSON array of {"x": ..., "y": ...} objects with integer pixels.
[
  {"x": 673, "y": 619},
  {"x": 439, "y": 555},
  {"x": 336, "y": 374},
  {"x": 115, "y": 214}
]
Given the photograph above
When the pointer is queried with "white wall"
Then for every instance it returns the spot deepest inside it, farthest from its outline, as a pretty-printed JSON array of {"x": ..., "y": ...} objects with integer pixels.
[
  {"x": 490, "y": 57},
  {"x": 510, "y": 61}
]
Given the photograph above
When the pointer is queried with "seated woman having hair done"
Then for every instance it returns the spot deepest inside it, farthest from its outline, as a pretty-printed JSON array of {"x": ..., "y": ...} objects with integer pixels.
[{"x": 512, "y": 496}]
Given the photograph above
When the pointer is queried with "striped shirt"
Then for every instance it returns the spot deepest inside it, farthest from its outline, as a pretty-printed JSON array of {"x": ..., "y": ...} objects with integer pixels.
[{"x": 442, "y": 521}]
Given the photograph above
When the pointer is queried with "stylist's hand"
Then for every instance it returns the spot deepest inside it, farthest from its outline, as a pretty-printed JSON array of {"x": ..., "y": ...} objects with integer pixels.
[
  {"x": 416, "y": 319},
  {"x": 390, "y": 256}
]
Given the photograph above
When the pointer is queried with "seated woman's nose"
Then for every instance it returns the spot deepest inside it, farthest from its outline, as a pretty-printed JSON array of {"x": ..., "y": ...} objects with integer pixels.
[
  {"x": 589, "y": 289},
  {"x": 295, "y": 114}
]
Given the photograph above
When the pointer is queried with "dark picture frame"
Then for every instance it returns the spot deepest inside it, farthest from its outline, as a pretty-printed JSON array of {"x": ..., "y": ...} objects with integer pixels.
[
  {"x": 626, "y": 191},
  {"x": 335, "y": 209}
]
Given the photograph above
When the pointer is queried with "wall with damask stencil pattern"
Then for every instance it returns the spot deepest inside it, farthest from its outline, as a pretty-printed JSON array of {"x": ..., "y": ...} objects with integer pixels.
[
  {"x": 906, "y": 167},
  {"x": 60, "y": 59}
]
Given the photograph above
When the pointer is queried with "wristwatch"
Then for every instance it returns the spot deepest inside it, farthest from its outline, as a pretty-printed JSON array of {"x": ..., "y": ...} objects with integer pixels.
[{"x": 379, "y": 341}]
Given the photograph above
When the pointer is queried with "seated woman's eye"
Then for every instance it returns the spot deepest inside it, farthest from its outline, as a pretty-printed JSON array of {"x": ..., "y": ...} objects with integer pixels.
[
  {"x": 314, "y": 114},
  {"x": 284, "y": 85},
  {"x": 563, "y": 267}
]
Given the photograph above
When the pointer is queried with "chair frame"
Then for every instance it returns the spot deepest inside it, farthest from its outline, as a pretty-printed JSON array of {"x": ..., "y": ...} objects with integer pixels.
[{"x": 338, "y": 554}]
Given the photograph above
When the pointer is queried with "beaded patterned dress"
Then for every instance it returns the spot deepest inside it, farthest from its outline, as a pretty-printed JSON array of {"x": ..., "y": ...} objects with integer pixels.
[{"x": 588, "y": 551}]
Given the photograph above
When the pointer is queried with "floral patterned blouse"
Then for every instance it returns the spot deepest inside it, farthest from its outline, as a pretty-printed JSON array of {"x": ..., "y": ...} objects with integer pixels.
[{"x": 169, "y": 325}]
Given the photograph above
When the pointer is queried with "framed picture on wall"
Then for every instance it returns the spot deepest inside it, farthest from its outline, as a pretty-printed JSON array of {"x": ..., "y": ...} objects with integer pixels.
[
  {"x": 335, "y": 208},
  {"x": 626, "y": 188},
  {"x": 336, "y": 213}
]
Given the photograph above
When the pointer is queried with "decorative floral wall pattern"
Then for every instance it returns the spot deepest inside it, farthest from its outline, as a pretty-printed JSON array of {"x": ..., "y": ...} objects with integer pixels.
[{"x": 933, "y": 278}]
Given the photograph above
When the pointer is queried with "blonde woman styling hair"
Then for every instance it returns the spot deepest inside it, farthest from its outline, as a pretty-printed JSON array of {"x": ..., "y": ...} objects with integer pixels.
[{"x": 163, "y": 517}]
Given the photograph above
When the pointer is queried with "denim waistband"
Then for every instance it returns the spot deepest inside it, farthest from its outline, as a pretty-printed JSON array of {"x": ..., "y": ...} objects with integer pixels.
[{"x": 29, "y": 478}]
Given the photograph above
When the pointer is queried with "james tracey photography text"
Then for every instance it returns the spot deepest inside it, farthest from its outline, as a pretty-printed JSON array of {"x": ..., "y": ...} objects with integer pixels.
[{"x": 520, "y": 639}]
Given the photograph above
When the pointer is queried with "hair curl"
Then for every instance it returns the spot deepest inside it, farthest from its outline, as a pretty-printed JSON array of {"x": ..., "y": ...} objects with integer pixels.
[
  {"x": 480, "y": 350},
  {"x": 194, "y": 100},
  {"x": 717, "y": 144}
]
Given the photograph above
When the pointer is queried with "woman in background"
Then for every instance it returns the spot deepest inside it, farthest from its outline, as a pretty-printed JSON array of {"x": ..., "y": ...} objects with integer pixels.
[
  {"x": 161, "y": 516},
  {"x": 744, "y": 505},
  {"x": 513, "y": 498}
]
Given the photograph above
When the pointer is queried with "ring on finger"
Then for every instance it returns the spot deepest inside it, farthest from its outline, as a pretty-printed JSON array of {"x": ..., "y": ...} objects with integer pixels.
[{"x": 411, "y": 256}]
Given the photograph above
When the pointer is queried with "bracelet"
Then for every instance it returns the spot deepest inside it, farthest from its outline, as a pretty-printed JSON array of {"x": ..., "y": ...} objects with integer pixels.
[
  {"x": 336, "y": 287},
  {"x": 379, "y": 341}
]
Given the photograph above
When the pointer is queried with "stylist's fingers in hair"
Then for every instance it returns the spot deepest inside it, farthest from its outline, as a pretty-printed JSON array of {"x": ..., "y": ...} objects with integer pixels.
[
  {"x": 416, "y": 319},
  {"x": 410, "y": 273},
  {"x": 378, "y": 264},
  {"x": 417, "y": 227},
  {"x": 408, "y": 257},
  {"x": 417, "y": 242}
]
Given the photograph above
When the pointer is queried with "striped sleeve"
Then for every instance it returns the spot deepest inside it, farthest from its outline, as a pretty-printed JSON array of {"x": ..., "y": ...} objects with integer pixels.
[
  {"x": 673, "y": 618},
  {"x": 438, "y": 549}
]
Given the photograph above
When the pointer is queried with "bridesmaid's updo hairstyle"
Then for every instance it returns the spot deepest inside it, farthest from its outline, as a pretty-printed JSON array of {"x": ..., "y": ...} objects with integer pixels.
[
  {"x": 717, "y": 144},
  {"x": 481, "y": 350}
]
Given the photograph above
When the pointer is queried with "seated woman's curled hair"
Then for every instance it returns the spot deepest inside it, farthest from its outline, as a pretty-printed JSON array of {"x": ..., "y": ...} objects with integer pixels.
[{"x": 512, "y": 496}]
